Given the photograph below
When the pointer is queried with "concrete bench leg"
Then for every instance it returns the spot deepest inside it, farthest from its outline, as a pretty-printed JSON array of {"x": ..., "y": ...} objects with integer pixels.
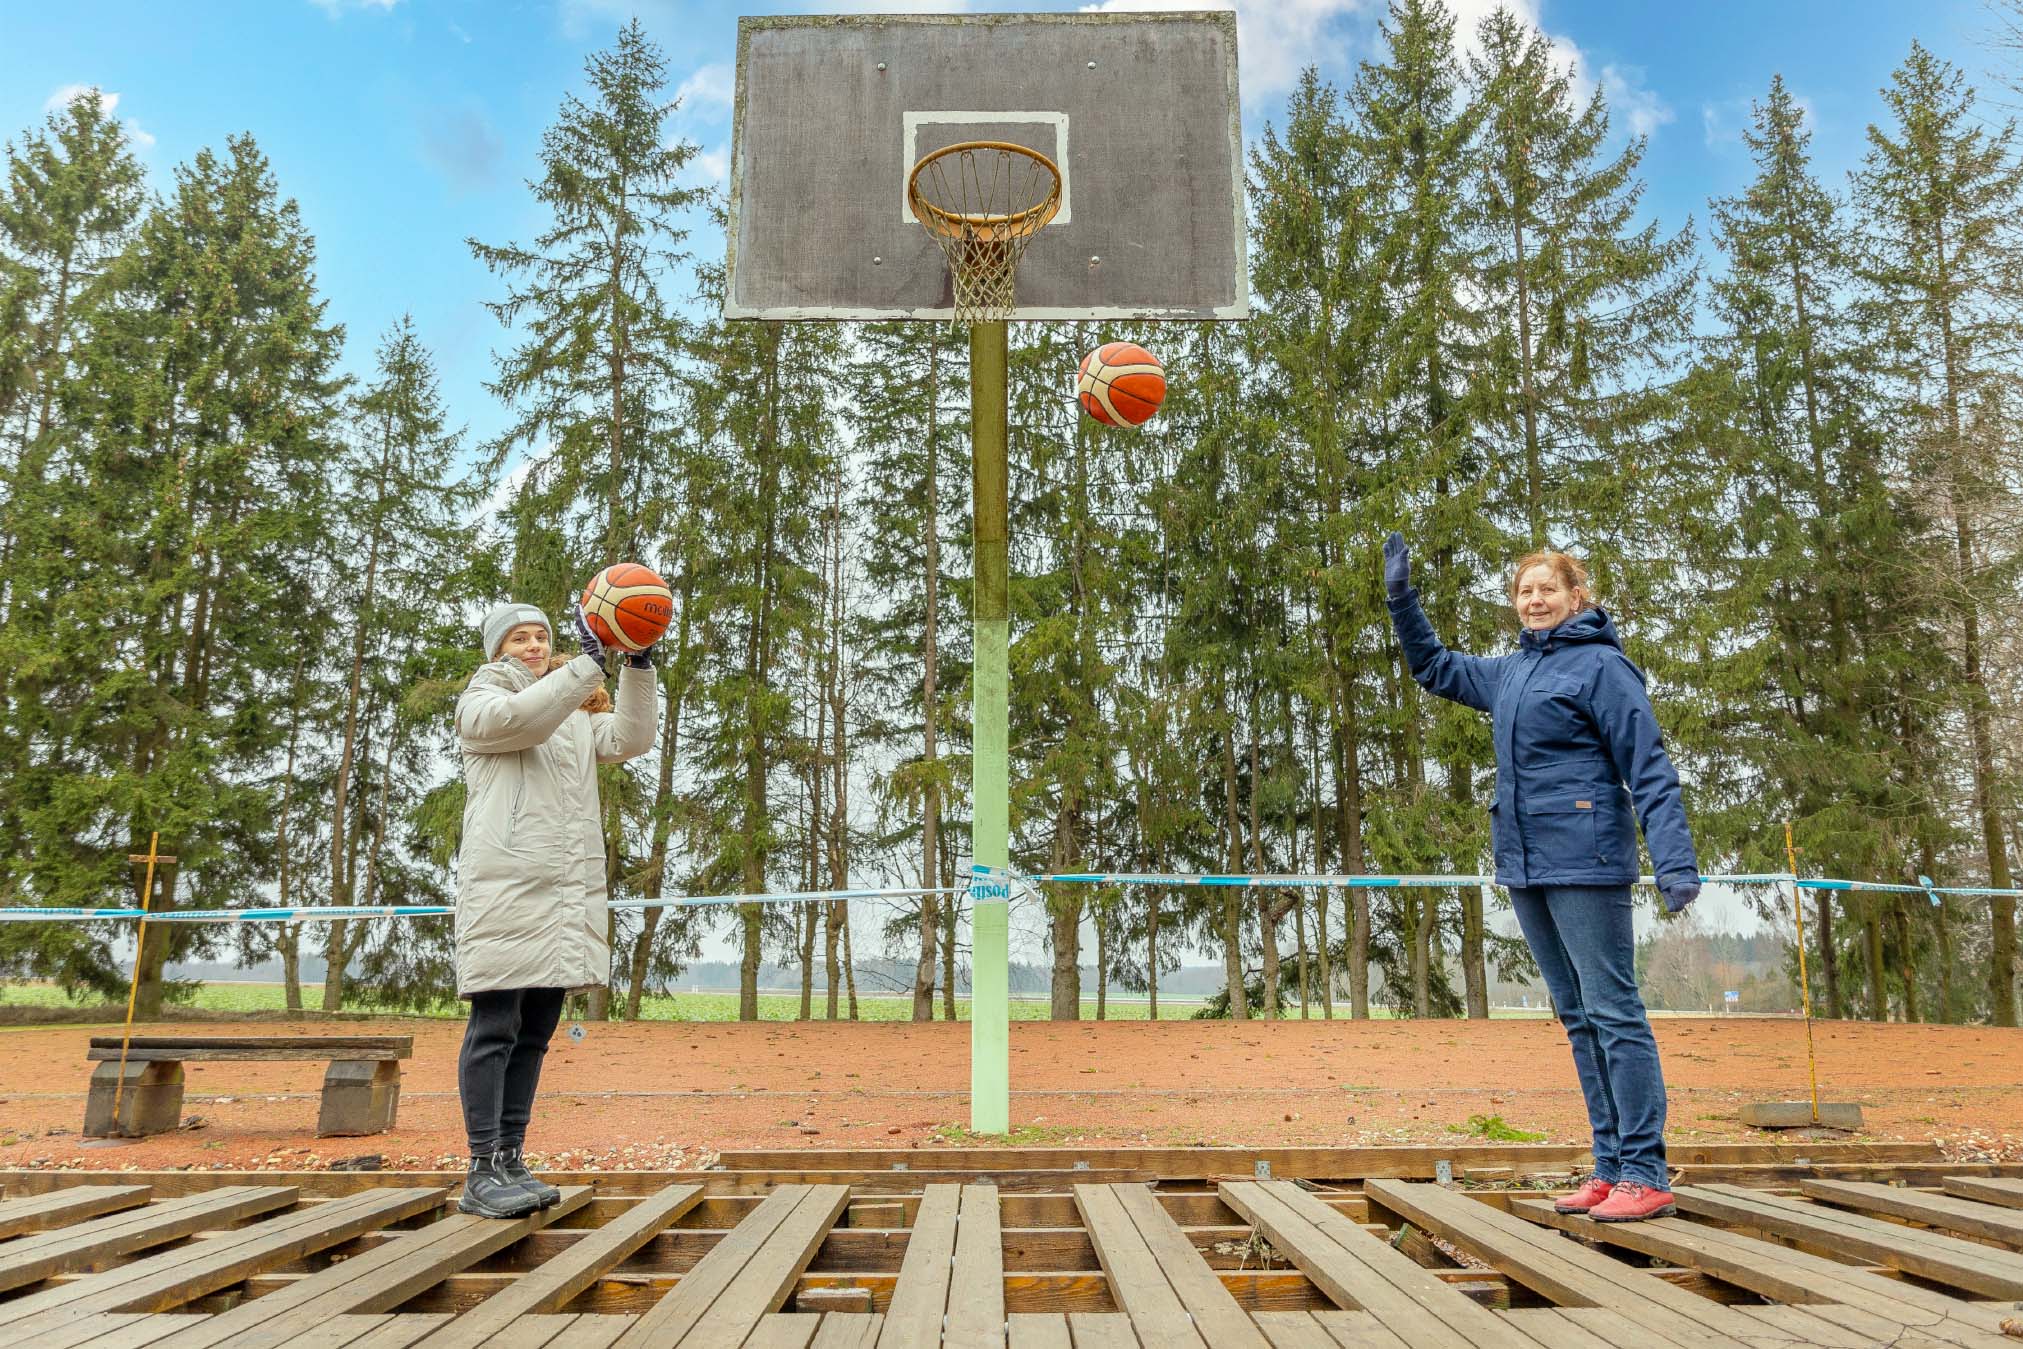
[
  {"x": 360, "y": 1096},
  {"x": 150, "y": 1097}
]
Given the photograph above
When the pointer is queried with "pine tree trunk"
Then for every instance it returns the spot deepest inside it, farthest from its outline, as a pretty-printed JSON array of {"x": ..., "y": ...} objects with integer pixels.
[
  {"x": 288, "y": 939},
  {"x": 1267, "y": 912},
  {"x": 1878, "y": 978},
  {"x": 1299, "y": 918},
  {"x": 949, "y": 915},
  {"x": 849, "y": 973},
  {"x": 1474, "y": 968},
  {"x": 807, "y": 920},
  {"x": 1907, "y": 963},
  {"x": 1426, "y": 922},
  {"x": 836, "y": 915},
  {"x": 1326, "y": 958},
  {"x": 1232, "y": 900},
  {"x": 1829, "y": 957},
  {"x": 1064, "y": 912},
  {"x": 1102, "y": 960},
  {"x": 1348, "y": 775},
  {"x": 1152, "y": 952}
]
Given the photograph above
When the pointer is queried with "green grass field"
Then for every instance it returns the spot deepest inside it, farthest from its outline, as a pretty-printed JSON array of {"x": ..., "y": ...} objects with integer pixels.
[{"x": 235, "y": 997}]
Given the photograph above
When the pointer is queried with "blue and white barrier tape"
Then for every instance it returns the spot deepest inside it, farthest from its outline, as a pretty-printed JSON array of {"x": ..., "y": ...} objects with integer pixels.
[
  {"x": 330, "y": 913},
  {"x": 1346, "y": 882}
]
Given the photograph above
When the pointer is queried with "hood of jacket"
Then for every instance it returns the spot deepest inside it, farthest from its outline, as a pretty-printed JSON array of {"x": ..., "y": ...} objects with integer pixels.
[{"x": 1589, "y": 625}]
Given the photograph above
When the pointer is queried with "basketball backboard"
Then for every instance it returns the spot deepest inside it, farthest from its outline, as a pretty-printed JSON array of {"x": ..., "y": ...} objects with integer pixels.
[{"x": 1139, "y": 112}]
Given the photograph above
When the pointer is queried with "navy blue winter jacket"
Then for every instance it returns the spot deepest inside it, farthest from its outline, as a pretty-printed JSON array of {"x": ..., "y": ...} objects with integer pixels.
[{"x": 1577, "y": 746}]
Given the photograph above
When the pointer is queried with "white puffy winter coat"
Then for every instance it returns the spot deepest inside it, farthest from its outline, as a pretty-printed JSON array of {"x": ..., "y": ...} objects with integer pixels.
[{"x": 530, "y": 873}]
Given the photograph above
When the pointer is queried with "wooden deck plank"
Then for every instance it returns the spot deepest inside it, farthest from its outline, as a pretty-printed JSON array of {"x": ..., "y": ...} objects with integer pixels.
[
  {"x": 1293, "y": 1330},
  {"x": 784, "y": 1330},
  {"x": 1217, "y": 1318},
  {"x": 1987, "y": 1189},
  {"x": 397, "y": 1332},
  {"x": 1104, "y": 1330},
  {"x": 115, "y": 1234},
  {"x": 377, "y": 1281},
  {"x": 61, "y": 1208},
  {"x": 769, "y": 1277},
  {"x": 677, "y": 1312},
  {"x": 549, "y": 1287},
  {"x": 172, "y": 1278},
  {"x": 849, "y": 1330},
  {"x": 1832, "y": 1326},
  {"x": 1929, "y": 1255},
  {"x": 976, "y": 1279},
  {"x": 1359, "y": 1273},
  {"x": 1357, "y": 1330},
  {"x": 1564, "y": 1272},
  {"x": 1137, "y": 1283},
  {"x": 593, "y": 1331},
  {"x": 1778, "y": 1272},
  {"x": 1987, "y": 1222},
  {"x": 1559, "y": 1327},
  {"x": 920, "y": 1299},
  {"x": 1038, "y": 1330}
]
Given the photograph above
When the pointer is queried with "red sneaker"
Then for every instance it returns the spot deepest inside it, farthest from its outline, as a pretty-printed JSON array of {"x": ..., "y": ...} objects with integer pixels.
[
  {"x": 1592, "y": 1192},
  {"x": 1631, "y": 1202}
]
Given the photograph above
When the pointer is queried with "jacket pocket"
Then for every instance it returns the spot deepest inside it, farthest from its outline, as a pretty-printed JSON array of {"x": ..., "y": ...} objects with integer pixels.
[{"x": 1561, "y": 826}]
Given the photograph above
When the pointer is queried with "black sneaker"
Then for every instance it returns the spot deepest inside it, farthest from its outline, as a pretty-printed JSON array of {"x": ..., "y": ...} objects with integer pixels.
[
  {"x": 513, "y": 1167},
  {"x": 490, "y": 1193}
]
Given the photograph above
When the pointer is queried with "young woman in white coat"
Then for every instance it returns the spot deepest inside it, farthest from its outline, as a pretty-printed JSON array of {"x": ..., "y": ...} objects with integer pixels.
[{"x": 530, "y": 875}]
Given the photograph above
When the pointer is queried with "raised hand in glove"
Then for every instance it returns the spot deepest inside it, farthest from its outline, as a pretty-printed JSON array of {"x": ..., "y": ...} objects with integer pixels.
[
  {"x": 1397, "y": 567},
  {"x": 592, "y": 647},
  {"x": 1678, "y": 894}
]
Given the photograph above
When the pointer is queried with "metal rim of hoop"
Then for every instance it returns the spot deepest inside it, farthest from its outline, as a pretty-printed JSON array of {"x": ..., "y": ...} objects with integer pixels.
[{"x": 983, "y": 245}]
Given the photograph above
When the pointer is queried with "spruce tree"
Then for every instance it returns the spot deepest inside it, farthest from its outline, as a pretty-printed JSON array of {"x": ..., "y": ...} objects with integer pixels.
[
  {"x": 1940, "y": 190},
  {"x": 592, "y": 378}
]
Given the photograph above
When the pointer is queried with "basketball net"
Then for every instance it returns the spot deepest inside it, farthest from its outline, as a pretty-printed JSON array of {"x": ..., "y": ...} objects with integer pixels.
[{"x": 982, "y": 202}]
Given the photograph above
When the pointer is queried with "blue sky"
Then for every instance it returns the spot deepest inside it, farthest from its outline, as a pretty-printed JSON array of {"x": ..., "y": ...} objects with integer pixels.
[{"x": 404, "y": 126}]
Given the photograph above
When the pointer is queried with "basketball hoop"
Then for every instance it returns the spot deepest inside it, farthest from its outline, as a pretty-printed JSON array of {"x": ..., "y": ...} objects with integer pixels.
[{"x": 982, "y": 202}]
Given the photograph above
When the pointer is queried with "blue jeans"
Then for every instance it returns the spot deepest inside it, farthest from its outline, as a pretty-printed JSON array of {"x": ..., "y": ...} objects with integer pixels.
[{"x": 1586, "y": 947}]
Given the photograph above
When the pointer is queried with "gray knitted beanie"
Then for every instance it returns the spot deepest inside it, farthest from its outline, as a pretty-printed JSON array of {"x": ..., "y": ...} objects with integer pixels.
[{"x": 501, "y": 619}]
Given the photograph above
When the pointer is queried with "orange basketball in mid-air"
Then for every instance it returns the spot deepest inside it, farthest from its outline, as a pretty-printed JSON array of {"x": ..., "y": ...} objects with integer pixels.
[
  {"x": 627, "y": 606},
  {"x": 1120, "y": 384}
]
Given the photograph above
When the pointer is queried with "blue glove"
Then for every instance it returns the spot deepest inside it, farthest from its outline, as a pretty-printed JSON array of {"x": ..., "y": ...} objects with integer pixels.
[
  {"x": 1397, "y": 567},
  {"x": 641, "y": 659},
  {"x": 591, "y": 646},
  {"x": 1679, "y": 894}
]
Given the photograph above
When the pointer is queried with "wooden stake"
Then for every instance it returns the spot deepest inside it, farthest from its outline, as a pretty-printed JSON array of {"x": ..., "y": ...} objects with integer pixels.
[{"x": 147, "y": 895}]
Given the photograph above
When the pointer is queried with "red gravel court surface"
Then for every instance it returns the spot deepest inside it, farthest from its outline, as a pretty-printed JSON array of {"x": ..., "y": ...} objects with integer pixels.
[{"x": 664, "y": 1095}]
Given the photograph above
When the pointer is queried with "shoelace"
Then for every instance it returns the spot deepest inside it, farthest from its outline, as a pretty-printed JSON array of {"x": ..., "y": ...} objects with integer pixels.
[{"x": 1632, "y": 1190}]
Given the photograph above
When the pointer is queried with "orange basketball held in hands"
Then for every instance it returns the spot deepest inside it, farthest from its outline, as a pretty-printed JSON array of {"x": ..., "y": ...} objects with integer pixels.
[
  {"x": 1120, "y": 384},
  {"x": 628, "y": 606}
]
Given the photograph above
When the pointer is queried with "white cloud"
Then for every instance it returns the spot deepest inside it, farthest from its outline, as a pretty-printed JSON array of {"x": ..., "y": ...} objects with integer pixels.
[
  {"x": 1631, "y": 102},
  {"x": 67, "y": 94},
  {"x": 708, "y": 91},
  {"x": 709, "y": 168},
  {"x": 457, "y": 32},
  {"x": 1275, "y": 39}
]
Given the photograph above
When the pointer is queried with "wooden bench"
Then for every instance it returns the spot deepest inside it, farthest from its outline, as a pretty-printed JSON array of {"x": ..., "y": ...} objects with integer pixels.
[{"x": 361, "y": 1088}]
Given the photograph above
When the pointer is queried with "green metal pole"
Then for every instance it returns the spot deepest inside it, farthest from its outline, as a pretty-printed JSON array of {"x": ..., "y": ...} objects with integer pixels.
[{"x": 990, "y": 691}]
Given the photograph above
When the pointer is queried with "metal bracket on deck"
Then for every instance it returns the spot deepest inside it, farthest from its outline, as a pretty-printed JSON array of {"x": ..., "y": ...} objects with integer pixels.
[
  {"x": 899, "y": 1166},
  {"x": 1261, "y": 1169},
  {"x": 1443, "y": 1171},
  {"x": 1081, "y": 1164}
]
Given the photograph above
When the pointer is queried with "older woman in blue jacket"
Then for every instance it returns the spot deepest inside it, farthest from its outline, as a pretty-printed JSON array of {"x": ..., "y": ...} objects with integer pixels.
[{"x": 1578, "y": 754}]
